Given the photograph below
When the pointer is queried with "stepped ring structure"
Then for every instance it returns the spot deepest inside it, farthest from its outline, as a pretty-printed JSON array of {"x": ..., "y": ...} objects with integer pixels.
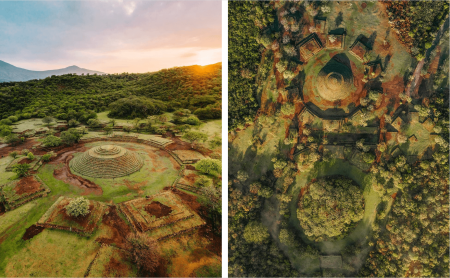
[
  {"x": 107, "y": 161},
  {"x": 335, "y": 81}
]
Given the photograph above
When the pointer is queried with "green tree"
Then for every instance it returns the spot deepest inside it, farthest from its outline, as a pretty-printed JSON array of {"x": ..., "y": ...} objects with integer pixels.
[
  {"x": 47, "y": 120},
  {"x": 51, "y": 141},
  {"x": 30, "y": 156},
  {"x": 108, "y": 129},
  {"x": 5, "y": 130},
  {"x": 209, "y": 166},
  {"x": 12, "y": 139},
  {"x": 195, "y": 137},
  {"x": 256, "y": 232},
  {"x": 21, "y": 170},
  {"x": 78, "y": 207},
  {"x": 71, "y": 136}
]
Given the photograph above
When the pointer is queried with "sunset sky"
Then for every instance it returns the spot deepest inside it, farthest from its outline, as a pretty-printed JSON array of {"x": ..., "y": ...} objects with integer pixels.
[{"x": 110, "y": 36}]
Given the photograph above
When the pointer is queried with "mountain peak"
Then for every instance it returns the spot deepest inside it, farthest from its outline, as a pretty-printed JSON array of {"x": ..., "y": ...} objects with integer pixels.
[{"x": 9, "y": 73}]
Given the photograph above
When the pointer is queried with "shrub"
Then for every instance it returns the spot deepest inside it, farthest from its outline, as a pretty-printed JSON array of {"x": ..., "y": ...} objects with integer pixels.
[
  {"x": 78, "y": 207},
  {"x": 108, "y": 129},
  {"x": 144, "y": 253},
  {"x": 73, "y": 123},
  {"x": 13, "y": 118},
  {"x": 51, "y": 141},
  {"x": 21, "y": 169},
  {"x": 195, "y": 137},
  {"x": 70, "y": 136},
  {"x": 5, "y": 130},
  {"x": 30, "y": 156},
  {"x": 25, "y": 151},
  {"x": 127, "y": 128},
  {"x": 256, "y": 232},
  {"x": 13, "y": 154},
  {"x": 192, "y": 120},
  {"x": 93, "y": 123},
  {"x": 12, "y": 139},
  {"x": 203, "y": 181},
  {"x": 216, "y": 142},
  {"x": 46, "y": 157},
  {"x": 209, "y": 166}
]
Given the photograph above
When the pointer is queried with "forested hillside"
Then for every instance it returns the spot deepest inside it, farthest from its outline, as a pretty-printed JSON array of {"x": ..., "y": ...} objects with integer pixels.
[{"x": 190, "y": 87}]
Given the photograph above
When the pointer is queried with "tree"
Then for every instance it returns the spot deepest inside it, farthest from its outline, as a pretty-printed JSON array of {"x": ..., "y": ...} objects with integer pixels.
[
  {"x": 203, "y": 181},
  {"x": 13, "y": 154},
  {"x": 112, "y": 122},
  {"x": 51, "y": 141},
  {"x": 30, "y": 156},
  {"x": 78, "y": 207},
  {"x": 21, "y": 170},
  {"x": 108, "y": 129},
  {"x": 127, "y": 128},
  {"x": 209, "y": 166},
  {"x": 194, "y": 137},
  {"x": 5, "y": 130},
  {"x": 70, "y": 137},
  {"x": 73, "y": 123},
  {"x": 144, "y": 253},
  {"x": 93, "y": 123},
  {"x": 256, "y": 232},
  {"x": 12, "y": 139},
  {"x": 47, "y": 120},
  {"x": 211, "y": 198}
]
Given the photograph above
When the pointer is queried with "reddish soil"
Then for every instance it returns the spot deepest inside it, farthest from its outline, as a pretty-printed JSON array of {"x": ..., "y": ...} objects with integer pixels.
[
  {"x": 392, "y": 89},
  {"x": 32, "y": 231},
  {"x": 27, "y": 185},
  {"x": 190, "y": 167},
  {"x": 28, "y": 144},
  {"x": 114, "y": 268},
  {"x": 26, "y": 160},
  {"x": 64, "y": 174},
  {"x": 363, "y": 5},
  {"x": 157, "y": 209},
  {"x": 119, "y": 229},
  {"x": 178, "y": 144},
  {"x": 394, "y": 195},
  {"x": 135, "y": 186}
]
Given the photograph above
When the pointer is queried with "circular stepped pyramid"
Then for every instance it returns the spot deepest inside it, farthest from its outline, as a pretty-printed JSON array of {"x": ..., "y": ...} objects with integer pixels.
[
  {"x": 335, "y": 81},
  {"x": 107, "y": 161}
]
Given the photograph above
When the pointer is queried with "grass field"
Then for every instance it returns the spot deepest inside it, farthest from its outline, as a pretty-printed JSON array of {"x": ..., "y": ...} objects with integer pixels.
[
  {"x": 53, "y": 254},
  {"x": 111, "y": 262},
  {"x": 5, "y": 176},
  {"x": 23, "y": 125}
]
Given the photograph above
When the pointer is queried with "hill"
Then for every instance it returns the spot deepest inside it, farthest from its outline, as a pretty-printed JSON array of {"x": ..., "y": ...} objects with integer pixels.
[
  {"x": 9, "y": 72},
  {"x": 190, "y": 87}
]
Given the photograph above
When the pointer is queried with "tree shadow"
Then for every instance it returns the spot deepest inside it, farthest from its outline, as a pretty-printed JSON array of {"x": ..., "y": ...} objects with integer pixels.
[{"x": 339, "y": 19}]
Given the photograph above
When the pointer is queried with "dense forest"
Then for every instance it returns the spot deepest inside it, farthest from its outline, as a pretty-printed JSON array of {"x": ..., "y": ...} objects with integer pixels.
[
  {"x": 76, "y": 96},
  {"x": 244, "y": 55}
]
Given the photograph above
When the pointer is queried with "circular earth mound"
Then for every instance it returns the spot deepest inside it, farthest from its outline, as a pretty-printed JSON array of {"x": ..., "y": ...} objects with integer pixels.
[
  {"x": 107, "y": 161},
  {"x": 330, "y": 208},
  {"x": 334, "y": 81}
]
